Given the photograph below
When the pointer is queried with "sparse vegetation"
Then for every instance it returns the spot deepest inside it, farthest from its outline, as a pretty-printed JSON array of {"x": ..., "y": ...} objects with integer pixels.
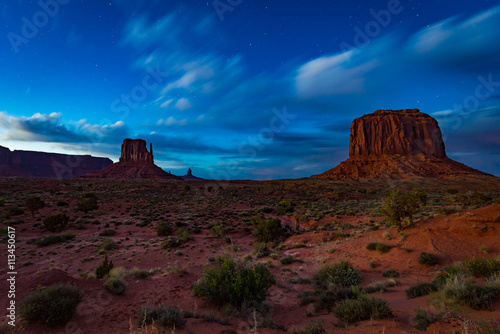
[
  {"x": 163, "y": 229},
  {"x": 104, "y": 267},
  {"x": 164, "y": 316},
  {"x": 341, "y": 273},
  {"x": 390, "y": 273},
  {"x": 33, "y": 204},
  {"x": 234, "y": 282},
  {"x": 421, "y": 289},
  {"x": 312, "y": 327},
  {"x": 267, "y": 230},
  {"x": 53, "y": 305},
  {"x": 351, "y": 311},
  {"x": 87, "y": 202},
  {"x": 47, "y": 240},
  {"x": 379, "y": 246},
  {"x": 427, "y": 259},
  {"x": 421, "y": 320},
  {"x": 56, "y": 223},
  {"x": 400, "y": 205}
]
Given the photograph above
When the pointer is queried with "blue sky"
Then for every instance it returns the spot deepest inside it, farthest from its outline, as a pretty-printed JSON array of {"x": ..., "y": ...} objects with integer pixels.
[{"x": 240, "y": 89}]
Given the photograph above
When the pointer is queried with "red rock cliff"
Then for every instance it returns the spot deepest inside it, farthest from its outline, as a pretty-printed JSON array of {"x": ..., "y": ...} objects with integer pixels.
[
  {"x": 42, "y": 164},
  {"x": 396, "y": 144},
  {"x": 134, "y": 150},
  {"x": 388, "y": 132}
]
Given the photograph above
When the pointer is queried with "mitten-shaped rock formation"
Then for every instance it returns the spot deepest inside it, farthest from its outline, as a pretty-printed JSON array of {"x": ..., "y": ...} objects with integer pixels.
[
  {"x": 396, "y": 144},
  {"x": 136, "y": 162},
  {"x": 134, "y": 150}
]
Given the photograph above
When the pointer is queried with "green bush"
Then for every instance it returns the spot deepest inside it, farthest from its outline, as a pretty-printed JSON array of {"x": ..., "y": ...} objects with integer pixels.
[
  {"x": 10, "y": 211},
  {"x": 260, "y": 249},
  {"x": 163, "y": 229},
  {"x": 474, "y": 296},
  {"x": 421, "y": 289},
  {"x": 184, "y": 235},
  {"x": 284, "y": 207},
  {"x": 379, "y": 246},
  {"x": 421, "y": 320},
  {"x": 53, "y": 305},
  {"x": 268, "y": 230},
  {"x": 390, "y": 273},
  {"x": 481, "y": 267},
  {"x": 427, "y": 259},
  {"x": 326, "y": 299},
  {"x": 33, "y": 204},
  {"x": 108, "y": 245},
  {"x": 104, "y": 267},
  {"x": 56, "y": 223},
  {"x": 351, "y": 311},
  {"x": 109, "y": 232},
  {"x": 218, "y": 230},
  {"x": 341, "y": 273},
  {"x": 47, "y": 240},
  {"x": 312, "y": 327},
  {"x": 163, "y": 316},
  {"x": 400, "y": 205},
  {"x": 286, "y": 259},
  {"x": 234, "y": 282},
  {"x": 87, "y": 202},
  {"x": 116, "y": 285}
]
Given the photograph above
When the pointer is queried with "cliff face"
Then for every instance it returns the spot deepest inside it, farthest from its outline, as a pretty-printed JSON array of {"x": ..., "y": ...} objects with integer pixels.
[
  {"x": 134, "y": 150},
  {"x": 396, "y": 144},
  {"x": 387, "y": 132},
  {"x": 135, "y": 163},
  {"x": 42, "y": 164}
]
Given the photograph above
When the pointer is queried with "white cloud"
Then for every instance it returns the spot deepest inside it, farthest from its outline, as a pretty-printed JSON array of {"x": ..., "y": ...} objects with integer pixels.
[
  {"x": 171, "y": 121},
  {"x": 183, "y": 104}
]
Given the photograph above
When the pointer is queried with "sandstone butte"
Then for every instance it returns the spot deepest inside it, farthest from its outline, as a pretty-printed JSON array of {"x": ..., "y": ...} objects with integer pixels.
[
  {"x": 190, "y": 176},
  {"x": 42, "y": 164},
  {"x": 136, "y": 162},
  {"x": 396, "y": 144}
]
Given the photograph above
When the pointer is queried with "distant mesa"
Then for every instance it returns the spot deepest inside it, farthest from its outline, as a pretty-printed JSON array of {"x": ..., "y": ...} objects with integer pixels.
[
  {"x": 136, "y": 162},
  {"x": 190, "y": 176},
  {"x": 42, "y": 164},
  {"x": 396, "y": 144}
]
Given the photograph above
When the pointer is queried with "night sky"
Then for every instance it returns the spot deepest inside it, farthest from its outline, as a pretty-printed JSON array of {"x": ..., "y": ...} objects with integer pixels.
[{"x": 245, "y": 89}]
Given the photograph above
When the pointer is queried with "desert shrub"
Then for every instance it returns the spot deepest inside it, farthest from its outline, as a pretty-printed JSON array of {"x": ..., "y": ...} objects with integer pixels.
[
  {"x": 380, "y": 286},
  {"x": 53, "y": 305},
  {"x": 139, "y": 273},
  {"x": 234, "y": 282},
  {"x": 421, "y": 289},
  {"x": 33, "y": 204},
  {"x": 184, "y": 235},
  {"x": 473, "y": 199},
  {"x": 341, "y": 273},
  {"x": 164, "y": 316},
  {"x": 284, "y": 207},
  {"x": 2, "y": 201},
  {"x": 351, "y": 311},
  {"x": 481, "y": 267},
  {"x": 421, "y": 320},
  {"x": 56, "y": 223},
  {"x": 87, "y": 202},
  {"x": 47, "y": 240},
  {"x": 218, "y": 230},
  {"x": 108, "y": 245},
  {"x": 104, "y": 268},
  {"x": 326, "y": 299},
  {"x": 400, "y": 205},
  {"x": 469, "y": 294},
  {"x": 390, "y": 273},
  {"x": 61, "y": 203},
  {"x": 10, "y": 211},
  {"x": 312, "y": 327},
  {"x": 116, "y": 285},
  {"x": 427, "y": 259},
  {"x": 171, "y": 242},
  {"x": 286, "y": 259},
  {"x": 379, "y": 246},
  {"x": 267, "y": 230},
  {"x": 260, "y": 249},
  {"x": 163, "y": 229},
  {"x": 487, "y": 327},
  {"x": 109, "y": 232}
]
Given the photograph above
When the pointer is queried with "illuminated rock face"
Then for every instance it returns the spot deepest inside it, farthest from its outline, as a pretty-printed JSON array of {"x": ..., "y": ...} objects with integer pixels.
[
  {"x": 134, "y": 150},
  {"x": 388, "y": 132},
  {"x": 135, "y": 163},
  {"x": 396, "y": 144},
  {"x": 42, "y": 164}
]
